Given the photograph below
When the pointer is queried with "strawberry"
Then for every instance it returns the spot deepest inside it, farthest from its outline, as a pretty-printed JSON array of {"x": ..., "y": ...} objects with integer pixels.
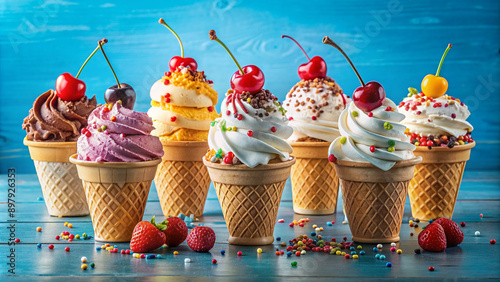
[
  {"x": 148, "y": 236},
  {"x": 176, "y": 231},
  {"x": 201, "y": 239},
  {"x": 432, "y": 238},
  {"x": 454, "y": 234}
]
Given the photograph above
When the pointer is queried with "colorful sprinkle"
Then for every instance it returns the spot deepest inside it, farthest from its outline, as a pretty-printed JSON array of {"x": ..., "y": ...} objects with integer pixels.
[
  {"x": 84, "y": 259},
  {"x": 388, "y": 264},
  {"x": 294, "y": 263},
  {"x": 390, "y": 149},
  {"x": 354, "y": 114},
  {"x": 388, "y": 126},
  {"x": 273, "y": 129},
  {"x": 332, "y": 158},
  {"x": 391, "y": 143},
  {"x": 39, "y": 229},
  {"x": 431, "y": 268},
  {"x": 187, "y": 260},
  {"x": 477, "y": 233},
  {"x": 259, "y": 250},
  {"x": 84, "y": 266},
  {"x": 493, "y": 241},
  {"x": 343, "y": 139},
  {"x": 370, "y": 114}
]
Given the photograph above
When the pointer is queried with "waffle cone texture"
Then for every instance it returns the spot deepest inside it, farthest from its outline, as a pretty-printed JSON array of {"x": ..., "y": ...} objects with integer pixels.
[
  {"x": 117, "y": 193},
  {"x": 374, "y": 200},
  {"x": 250, "y": 198},
  {"x": 182, "y": 180},
  {"x": 434, "y": 189},
  {"x": 61, "y": 187},
  {"x": 315, "y": 184}
]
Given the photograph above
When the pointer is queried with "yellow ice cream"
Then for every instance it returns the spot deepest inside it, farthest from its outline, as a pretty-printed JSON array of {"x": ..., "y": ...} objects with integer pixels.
[{"x": 182, "y": 106}]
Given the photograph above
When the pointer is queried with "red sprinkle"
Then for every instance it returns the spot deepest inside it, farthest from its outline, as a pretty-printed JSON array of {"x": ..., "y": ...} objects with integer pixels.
[
  {"x": 167, "y": 95},
  {"x": 250, "y": 133},
  {"x": 228, "y": 159},
  {"x": 166, "y": 82},
  {"x": 123, "y": 135},
  {"x": 57, "y": 237},
  {"x": 88, "y": 134},
  {"x": 210, "y": 109},
  {"x": 105, "y": 109},
  {"x": 446, "y": 105},
  {"x": 418, "y": 112},
  {"x": 347, "y": 256},
  {"x": 143, "y": 256},
  {"x": 273, "y": 129},
  {"x": 66, "y": 249},
  {"x": 314, "y": 117},
  {"x": 301, "y": 224},
  {"x": 210, "y": 81},
  {"x": 122, "y": 252},
  {"x": 388, "y": 109},
  {"x": 228, "y": 112},
  {"x": 297, "y": 253},
  {"x": 370, "y": 114},
  {"x": 113, "y": 118},
  {"x": 431, "y": 268},
  {"x": 290, "y": 224},
  {"x": 413, "y": 108},
  {"x": 17, "y": 240},
  {"x": 239, "y": 253},
  {"x": 240, "y": 117},
  {"x": 462, "y": 224},
  {"x": 453, "y": 116},
  {"x": 493, "y": 241},
  {"x": 167, "y": 100},
  {"x": 168, "y": 73},
  {"x": 332, "y": 158},
  {"x": 290, "y": 118},
  {"x": 372, "y": 148},
  {"x": 174, "y": 118},
  {"x": 214, "y": 261},
  {"x": 51, "y": 246}
]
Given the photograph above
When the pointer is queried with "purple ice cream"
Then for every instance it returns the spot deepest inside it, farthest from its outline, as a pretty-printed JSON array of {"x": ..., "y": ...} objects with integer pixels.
[{"x": 117, "y": 134}]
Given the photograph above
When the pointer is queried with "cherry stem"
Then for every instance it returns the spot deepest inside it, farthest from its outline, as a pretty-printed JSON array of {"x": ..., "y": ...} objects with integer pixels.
[
  {"x": 86, "y": 61},
  {"x": 101, "y": 43},
  {"x": 327, "y": 40},
  {"x": 442, "y": 58},
  {"x": 162, "y": 21},
  {"x": 283, "y": 36},
  {"x": 214, "y": 37}
]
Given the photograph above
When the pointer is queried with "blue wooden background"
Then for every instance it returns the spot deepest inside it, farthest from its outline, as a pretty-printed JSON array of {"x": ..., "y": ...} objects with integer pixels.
[{"x": 393, "y": 42}]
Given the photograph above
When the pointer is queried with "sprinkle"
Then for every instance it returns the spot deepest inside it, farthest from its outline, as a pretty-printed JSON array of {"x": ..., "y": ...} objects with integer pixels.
[
  {"x": 379, "y": 246},
  {"x": 382, "y": 257},
  {"x": 143, "y": 256},
  {"x": 70, "y": 225},
  {"x": 167, "y": 100},
  {"x": 39, "y": 229},
  {"x": 67, "y": 249},
  {"x": 354, "y": 114},
  {"x": 150, "y": 256},
  {"x": 281, "y": 220},
  {"x": 453, "y": 116},
  {"x": 493, "y": 241},
  {"x": 214, "y": 261},
  {"x": 290, "y": 118},
  {"x": 39, "y": 245},
  {"x": 173, "y": 119},
  {"x": 481, "y": 215},
  {"x": 399, "y": 251},
  {"x": 105, "y": 109},
  {"x": 418, "y": 113},
  {"x": 187, "y": 260},
  {"x": 388, "y": 264},
  {"x": 343, "y": 139},
  {"x": 84, "y": 266},
  {"x": 417, "y": 251},
  {"x": 113, "y": 118},
  {"x": 176, "y": 253},
  {"x": 303, "y": 252},
  {"x": 388, "y": 109},
  {"x": 250, "y": 133},
  {"x": 393, "y": 249},
  {"x": 431, "y": 268},
  {"x": 294, "y": 263},
  {"x": 210, "y": 109},
  {"x": 222, "y": 252},
  {"x": 314, "y": 118},
  {"x": 240, "y": 117},
  {"x": 332, "y": 158},
  {"x": 297, "y": 253},
  {"x": 372, "y": 148},
  {"x": 66, "y": 223},
  {"x": 477, "y": 233},
  {"x": 377, "y": 256},
  {"x": 249, "y": 100},
  {"x": 88, "y": 134},
  {"x": 370, "y": 114},
  {"x": 392, "y": 143},
  {"x": 51, "y": 246},
  {"x": 84, "y": 259},
  {"x": 259, "y": 250},
  {"x": 166, "y": 82},
  {"x": 388, "y": 126},
  {"x": 273, "y": 129},
  {"x": 17, "y": 240},
  {"x": 375, "y": 249},
  {"x": 390, "y": 149}
]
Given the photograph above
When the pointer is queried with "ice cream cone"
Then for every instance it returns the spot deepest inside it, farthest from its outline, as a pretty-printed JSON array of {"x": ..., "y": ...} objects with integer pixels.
[
  {"x": 117, "y": 193},
  {"x": 315, "y": 184},
  {"x": 61, "y": 187},
  {"x": 434, "y": 189},
  {"x": 182, "y": 181},
  {"x": 250, "y": 198},
  {"x": 374, "y": 199}
]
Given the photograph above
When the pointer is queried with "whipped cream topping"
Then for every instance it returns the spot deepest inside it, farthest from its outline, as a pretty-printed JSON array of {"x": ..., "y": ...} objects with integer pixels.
[
  {"x": 313, "y": 107},
  {"x": 253, "y": 129},
  {"x": 445, "y": 115},
  {"x": 376, "y": 137}
]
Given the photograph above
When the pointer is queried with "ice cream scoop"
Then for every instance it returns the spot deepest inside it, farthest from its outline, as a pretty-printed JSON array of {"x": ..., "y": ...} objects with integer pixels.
[
  {"x": 118, "y": 134},
  {"x": 313, "y": 108},
  {"x": 377, "y": 138},
  {"x": 56, "y": 120},
  {"x": 253, "y": 128}
]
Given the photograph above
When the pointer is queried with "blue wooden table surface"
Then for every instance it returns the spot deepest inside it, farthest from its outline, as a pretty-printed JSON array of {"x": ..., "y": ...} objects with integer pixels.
[
  {"x": 394, "y": 42},
  {"x": 475, "y": 258}
]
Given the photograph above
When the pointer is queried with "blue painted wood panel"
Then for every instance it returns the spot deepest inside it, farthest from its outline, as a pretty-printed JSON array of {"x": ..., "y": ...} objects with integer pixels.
[{"x": 393, "y": 42}]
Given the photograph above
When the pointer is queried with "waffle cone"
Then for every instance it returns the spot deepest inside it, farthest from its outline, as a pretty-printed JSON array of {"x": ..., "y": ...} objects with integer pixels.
[
  {"x": 374, "y": 200},
  {"x": 434, "y": 188},
  {"x": 117, "y": 194},
  {"x": 182, "y": 181},
  {"x": 315, "y": 184},
  {"x": 249, "y": 198},
  {"x": 61, "y": 187}
]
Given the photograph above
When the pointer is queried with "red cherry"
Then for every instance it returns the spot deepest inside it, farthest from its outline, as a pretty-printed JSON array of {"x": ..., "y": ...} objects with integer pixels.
[
  {"x": 252, "y": 81},
  {"x": 178, "y": 61},
  {"x": 369, "y": 97},
  {"x": 315, "y": 68},
  {"x": 69, "y": 88}
]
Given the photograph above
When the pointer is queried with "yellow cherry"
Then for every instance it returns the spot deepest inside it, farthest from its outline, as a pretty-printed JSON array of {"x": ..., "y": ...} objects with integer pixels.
[{"x": 434, "y": 86}]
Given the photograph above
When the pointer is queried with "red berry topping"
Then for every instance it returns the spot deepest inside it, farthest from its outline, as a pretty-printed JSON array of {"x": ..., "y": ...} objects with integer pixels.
[
  {"x": 147, "y": 236},
  {"x": 176, "y": 231},
  {"x": 432, "y": 238},
  {"x": 454, "y": 234},
  {"x": 201, "y": 239}
]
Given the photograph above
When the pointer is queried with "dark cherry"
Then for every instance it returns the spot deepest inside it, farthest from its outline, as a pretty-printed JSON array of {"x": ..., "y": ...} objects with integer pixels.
[
  {"x": 69, "y": 88},
  {"x": 249, "y": 78},
  {"x": 369, "y": 97},
  {"x": 120, "y": 91},
  {"x": 178, "y": 61},
  {"x": 125, "y": 93},
  {"x": 252, "y": 80},
  {"x": 315, "y": 68}
]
